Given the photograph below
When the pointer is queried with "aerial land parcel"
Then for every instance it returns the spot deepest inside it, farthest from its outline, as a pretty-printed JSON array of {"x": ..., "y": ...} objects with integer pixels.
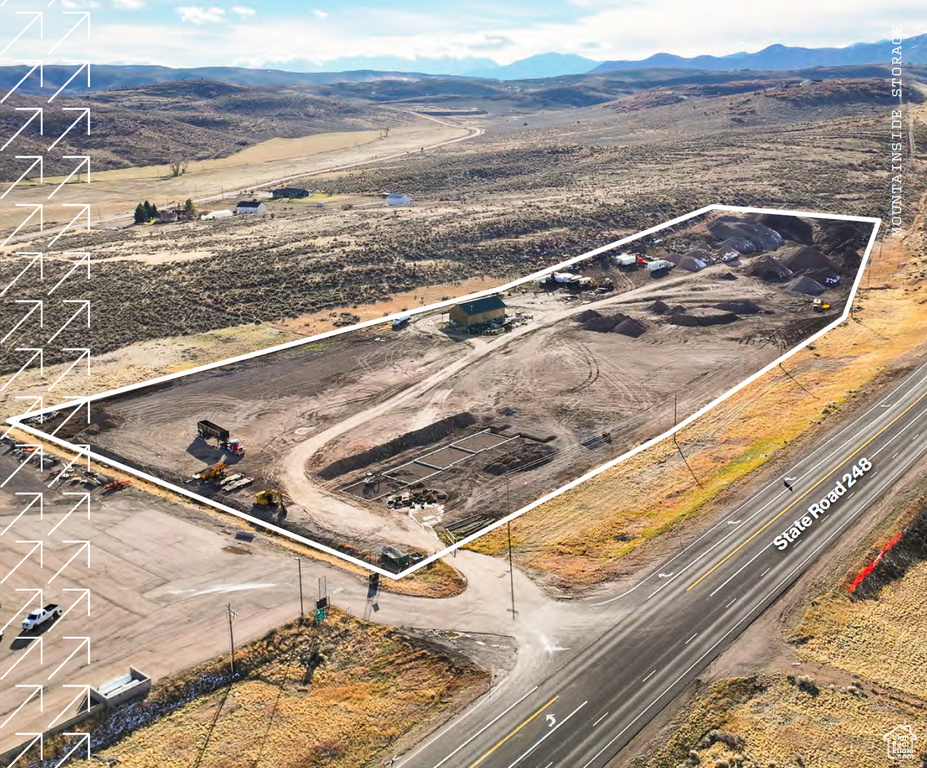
[{"x": 427, "y": 434}]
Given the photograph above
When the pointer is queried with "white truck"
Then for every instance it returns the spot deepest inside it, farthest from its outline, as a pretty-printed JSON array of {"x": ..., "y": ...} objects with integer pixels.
[
  {"x": 41, "y": 616},
  {"x": 660, "y": 265}
]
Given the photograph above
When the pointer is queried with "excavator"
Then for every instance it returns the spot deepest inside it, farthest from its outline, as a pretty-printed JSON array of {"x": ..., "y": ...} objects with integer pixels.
[
  {"x": 214, "y": 472},
  {"x": 271, "y": 497}
]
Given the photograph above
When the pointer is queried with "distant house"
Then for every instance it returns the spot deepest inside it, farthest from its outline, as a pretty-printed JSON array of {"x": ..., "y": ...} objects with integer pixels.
[
  {"x": 290, "y": 193},
  {"x": 478, "y": 311},
  {"x": 166, "y": 217},
  {"x": 251, "y": 207},
  {"x": 397, "y": 198}
]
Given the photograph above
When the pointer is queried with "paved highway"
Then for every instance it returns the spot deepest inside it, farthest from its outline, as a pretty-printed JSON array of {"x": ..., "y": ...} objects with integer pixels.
[{"x": 580, "y": 712}]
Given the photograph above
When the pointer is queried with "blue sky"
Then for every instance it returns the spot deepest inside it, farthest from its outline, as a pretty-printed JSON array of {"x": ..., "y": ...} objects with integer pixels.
[{"x": 322, "y": 34}]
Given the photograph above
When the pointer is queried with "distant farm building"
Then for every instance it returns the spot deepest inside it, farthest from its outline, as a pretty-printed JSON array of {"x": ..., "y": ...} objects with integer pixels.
[
  {"x": 478, "y": 312},
  {"x": 216, "y": 215},
  {"x": 395, "y": 198},
  {"x": 290, "y": 193},
  {"x": 251, "y": 207}
]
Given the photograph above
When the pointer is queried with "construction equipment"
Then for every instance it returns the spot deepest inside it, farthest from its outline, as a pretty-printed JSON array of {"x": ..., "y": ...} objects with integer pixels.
[
  {"x": 819, "y": 305},
  {"x": 269, "y": 498},
  {"x": 207, "y": 430},
  {"x": 214, "y": 472}
]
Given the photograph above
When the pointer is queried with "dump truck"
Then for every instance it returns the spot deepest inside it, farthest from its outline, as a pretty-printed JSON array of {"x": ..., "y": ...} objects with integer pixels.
[
  {"x": 819, "y": 305},
  {"x": 207, "y": 430},
  {"x": 214, "y": 472},
  {"x": 401, "y": 322}
]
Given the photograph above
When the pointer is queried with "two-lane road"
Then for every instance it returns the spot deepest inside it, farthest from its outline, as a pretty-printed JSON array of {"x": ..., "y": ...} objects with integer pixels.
[{"x": 674, "y": 622}]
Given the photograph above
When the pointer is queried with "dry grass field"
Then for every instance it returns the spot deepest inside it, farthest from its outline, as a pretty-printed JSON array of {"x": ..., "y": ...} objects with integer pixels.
[
  {"x": 770, "y": 721},
  {"x": 339, "y": 695}
]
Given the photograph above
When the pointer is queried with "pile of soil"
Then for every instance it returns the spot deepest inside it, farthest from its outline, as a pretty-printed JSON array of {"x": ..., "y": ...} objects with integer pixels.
[
  {"x": 805, "y": 258},
  {"x": 791, "y": 227},
  {"x": 619, "y": 323},
  {"x": 739, "y": 307},
  {"x": 763, "y": 237},
  {"x": 727, "y": 276},
  {"x": 839, "y": 236},
  {"x": 691, "y": 263},
  {"x": 631, "y": 327},
  {"x": 659, "y": 307},
  {"x": 703, "y": 317},
  {"x": 603, "y": 323},
  {"x": 526, "y": 456},
  {"x": 807, "y": 286},
  {"x": 770, "y": 269},
  {"x": 740, "y": 244}
]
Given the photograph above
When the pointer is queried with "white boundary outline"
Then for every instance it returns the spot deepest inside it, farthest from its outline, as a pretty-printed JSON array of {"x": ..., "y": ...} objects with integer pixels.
[{"x": 16, "y": 421}]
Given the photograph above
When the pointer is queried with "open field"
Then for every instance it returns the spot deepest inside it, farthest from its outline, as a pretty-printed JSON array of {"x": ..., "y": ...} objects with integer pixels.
[
  {"x": 343, "y": 694},
  {"x": 774, "y": 720},
  {"x": 571, "y": 179},
  {"x": 458, "y": 431}
]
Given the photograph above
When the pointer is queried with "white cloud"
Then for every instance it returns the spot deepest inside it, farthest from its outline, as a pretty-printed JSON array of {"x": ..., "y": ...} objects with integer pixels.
[
  {"x": 79, "y": 5},
  {"x": 199, "y": 15},
  {"x": 320, "y": 13},
  {"x": 243, "y": 11},
  {"x": 128, "y": 5}
]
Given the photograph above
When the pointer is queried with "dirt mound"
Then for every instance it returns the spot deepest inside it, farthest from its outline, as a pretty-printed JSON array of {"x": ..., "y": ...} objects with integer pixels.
[
  {"x": 603, "y": 323},
  {"x": 805, "y": 258},
  {"x": 760, "y": 235},
  {"x": 807, "y": 286},
  {"x": 790, "y": 227},
  {"x": 739, "y": 244},
  {"x": 739, "y": 307},
  {"x": 586, "y": 315},
  {"x": 659, "y": 307},
  {"x": 692, "y": 264},
  {"x": 703, "y": 317},
  {"x": 631, "y": 327},
  {"x": 838, "y": 236},
  {"x": 769, "y": 268},
  {"x": 727, "y": 276}
]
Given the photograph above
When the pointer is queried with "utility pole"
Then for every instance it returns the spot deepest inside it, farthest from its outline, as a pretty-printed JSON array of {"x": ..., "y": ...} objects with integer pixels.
[
  {"x": 511, "y": 570},
  {"x": 299, "y": 567},
  {"x": 231, "y": 615}
]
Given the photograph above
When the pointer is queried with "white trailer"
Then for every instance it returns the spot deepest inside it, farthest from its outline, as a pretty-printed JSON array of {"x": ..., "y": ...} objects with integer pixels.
[{"x": 659, "y": 264}]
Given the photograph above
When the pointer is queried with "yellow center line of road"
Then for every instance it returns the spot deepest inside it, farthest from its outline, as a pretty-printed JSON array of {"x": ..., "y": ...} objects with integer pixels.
[
  {"x": 806, "y": 493},
  {"x": 500, "y": 743}
]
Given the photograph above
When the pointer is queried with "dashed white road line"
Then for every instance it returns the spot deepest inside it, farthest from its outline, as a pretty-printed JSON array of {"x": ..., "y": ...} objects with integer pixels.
[
  {"x": 691, "y": 638},
  {"x": 652, "y": 673},
  {"x": 731, "y": 603},
  {"x": 597, "y": 722}
]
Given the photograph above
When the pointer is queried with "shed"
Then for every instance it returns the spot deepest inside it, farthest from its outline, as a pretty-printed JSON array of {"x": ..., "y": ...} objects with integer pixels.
[
  {"x": 393, "y": 558},
  {"x": 251, "y": 207},
  {"x": 291, "y": 193},
  {"x": 216, "y": 215},
  {"x": 478, "y": 311}
]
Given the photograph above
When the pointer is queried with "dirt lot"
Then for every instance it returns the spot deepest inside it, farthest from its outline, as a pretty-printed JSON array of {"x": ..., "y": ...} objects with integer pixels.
[{"x": 580, "y": 378}]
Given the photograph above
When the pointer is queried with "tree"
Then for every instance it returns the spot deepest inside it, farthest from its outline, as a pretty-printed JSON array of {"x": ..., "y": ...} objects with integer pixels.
[
  {"x": 141, "y": 216},
  {"x": 179, "y": 167},
  {"x": 189, "y": 206}
]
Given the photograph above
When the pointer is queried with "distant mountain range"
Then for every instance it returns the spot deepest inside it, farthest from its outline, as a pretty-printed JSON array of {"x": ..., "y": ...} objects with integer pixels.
[
  {"x": 781, "y": 57},
  {"x": 775, "y": 58}
]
